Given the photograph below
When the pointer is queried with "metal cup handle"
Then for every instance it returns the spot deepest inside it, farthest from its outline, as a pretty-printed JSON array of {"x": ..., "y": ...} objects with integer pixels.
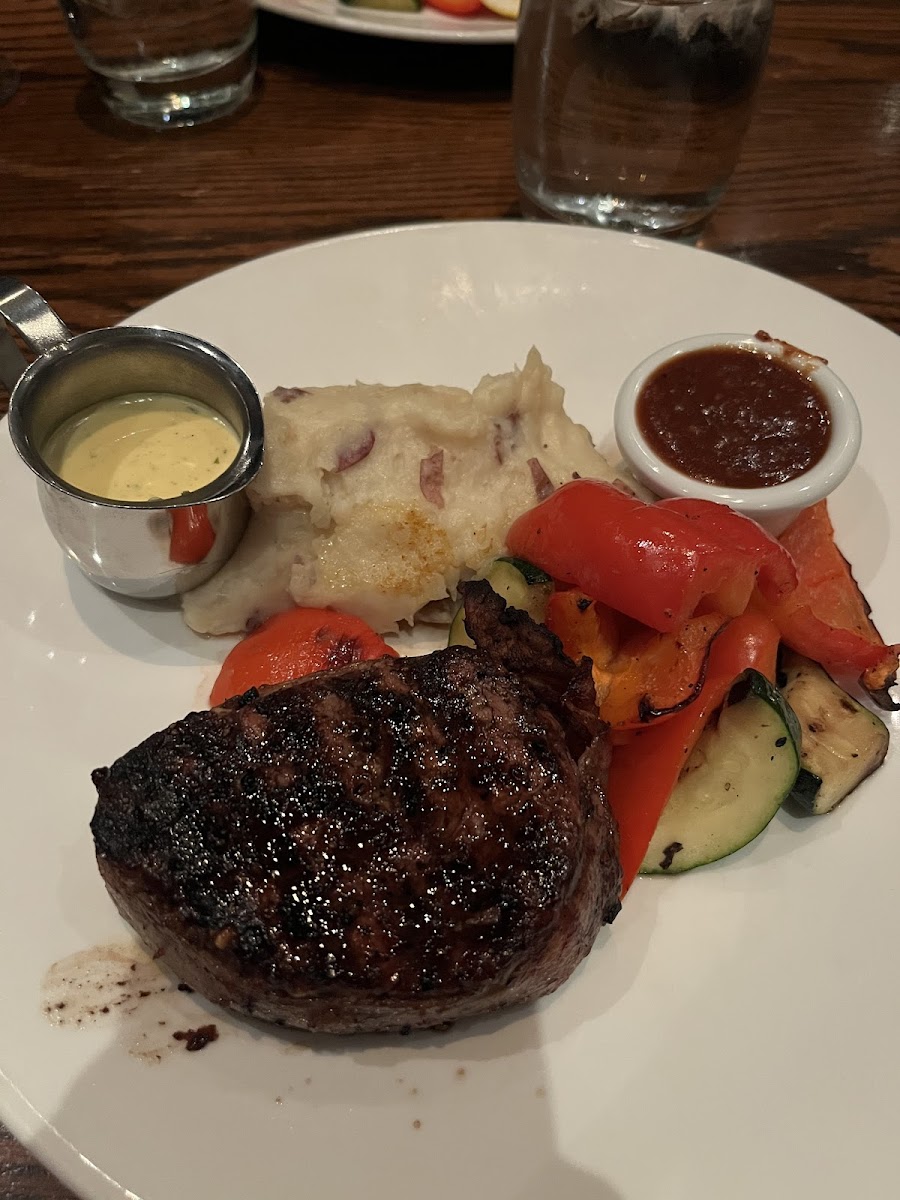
[{"x": 36, "y": 322}]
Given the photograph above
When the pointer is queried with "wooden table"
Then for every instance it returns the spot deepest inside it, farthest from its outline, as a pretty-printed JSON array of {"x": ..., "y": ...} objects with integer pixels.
[{"x": 347, "y": 132}]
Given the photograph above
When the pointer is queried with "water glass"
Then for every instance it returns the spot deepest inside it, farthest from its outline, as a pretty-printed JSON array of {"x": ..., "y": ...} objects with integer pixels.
[
  {"x": 632, "y": 115},
  {"x": 165, "y": 63}
]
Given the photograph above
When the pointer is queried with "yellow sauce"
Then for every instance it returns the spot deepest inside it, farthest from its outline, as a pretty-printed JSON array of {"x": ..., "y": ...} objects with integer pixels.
[{"x": 143, "y": 446}]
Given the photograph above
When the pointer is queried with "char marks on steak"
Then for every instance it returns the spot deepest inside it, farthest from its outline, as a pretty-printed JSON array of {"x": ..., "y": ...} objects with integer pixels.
[{"x": 389, "y": 845}]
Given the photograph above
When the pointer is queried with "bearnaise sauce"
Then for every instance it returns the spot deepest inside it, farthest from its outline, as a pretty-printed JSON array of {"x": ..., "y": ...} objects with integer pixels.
[{"x": 142, "y": 446}]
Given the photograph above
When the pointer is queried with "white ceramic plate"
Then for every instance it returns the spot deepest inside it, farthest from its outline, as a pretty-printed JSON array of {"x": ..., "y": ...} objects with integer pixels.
[
  {"x": 429, "y": 25},
  {"x": 733, "y": 1036}
]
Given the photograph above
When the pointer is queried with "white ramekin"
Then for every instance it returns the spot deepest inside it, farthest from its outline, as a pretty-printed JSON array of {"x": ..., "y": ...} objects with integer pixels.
[{"x": 773, "y": 507}]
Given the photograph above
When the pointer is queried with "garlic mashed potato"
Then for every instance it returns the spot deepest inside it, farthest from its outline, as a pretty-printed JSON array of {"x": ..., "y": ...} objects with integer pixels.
[{"x": 378, "y": 500}]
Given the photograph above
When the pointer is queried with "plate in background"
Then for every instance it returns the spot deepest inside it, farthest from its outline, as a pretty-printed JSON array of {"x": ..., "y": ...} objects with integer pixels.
[{"x": 428, "y": 25}]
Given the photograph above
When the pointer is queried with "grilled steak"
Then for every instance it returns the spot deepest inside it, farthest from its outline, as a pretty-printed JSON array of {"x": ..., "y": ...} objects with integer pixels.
[{"x": 388, "y": 846}]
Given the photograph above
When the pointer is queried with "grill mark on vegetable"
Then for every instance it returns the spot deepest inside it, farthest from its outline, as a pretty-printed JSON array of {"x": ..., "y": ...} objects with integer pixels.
[
  {"x": 669, "y": 855},
  {"x": 646, "y": 711}
]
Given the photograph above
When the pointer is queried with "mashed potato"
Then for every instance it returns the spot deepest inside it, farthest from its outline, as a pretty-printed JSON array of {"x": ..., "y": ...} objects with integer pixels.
[{"x": 378, "y": 500}]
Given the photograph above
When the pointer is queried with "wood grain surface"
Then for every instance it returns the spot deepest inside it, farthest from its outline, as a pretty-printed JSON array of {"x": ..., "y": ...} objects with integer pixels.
[{"x": 346, "y": 132}]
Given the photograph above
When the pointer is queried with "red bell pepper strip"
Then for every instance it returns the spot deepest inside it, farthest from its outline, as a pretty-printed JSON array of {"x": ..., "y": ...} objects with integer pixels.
[
  {"x": 777, "y": 576},
  {"x": 191, "y": 535},
  {"x": 827, "y": 617},
  {"x": 291, "y": 644},
  {"x": 646, "y": 764},
  {"x": 647, "y": 561}
]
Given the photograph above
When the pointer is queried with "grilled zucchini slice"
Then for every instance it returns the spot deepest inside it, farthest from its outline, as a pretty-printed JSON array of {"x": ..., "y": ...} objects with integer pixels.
[
  {"x": 738, "y": 775},
  {"x": 843, "y": 742}
]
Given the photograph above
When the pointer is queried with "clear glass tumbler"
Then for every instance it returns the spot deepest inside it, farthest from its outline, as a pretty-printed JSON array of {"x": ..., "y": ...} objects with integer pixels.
[
  {"x": 632, "y": 115},
  {"x": 167, "y": 62}
]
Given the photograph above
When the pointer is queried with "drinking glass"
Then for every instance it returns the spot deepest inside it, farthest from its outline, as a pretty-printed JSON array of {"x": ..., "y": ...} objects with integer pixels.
[
  {"x": 167, "y": 62},
  {"x": 632, "y": 114}
]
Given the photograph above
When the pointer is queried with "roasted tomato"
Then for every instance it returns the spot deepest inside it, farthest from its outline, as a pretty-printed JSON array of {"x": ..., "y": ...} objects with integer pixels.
[{"x": 291, "y": 644}]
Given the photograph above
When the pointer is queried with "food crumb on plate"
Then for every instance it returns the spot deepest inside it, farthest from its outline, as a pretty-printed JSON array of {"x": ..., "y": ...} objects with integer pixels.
[{"x": 197, "y": 1039}]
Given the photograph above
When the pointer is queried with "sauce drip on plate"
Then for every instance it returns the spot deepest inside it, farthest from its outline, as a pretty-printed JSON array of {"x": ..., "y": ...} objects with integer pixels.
[
  {"x": 735, "y": 418},
  {"x": 142, "y": 446}
]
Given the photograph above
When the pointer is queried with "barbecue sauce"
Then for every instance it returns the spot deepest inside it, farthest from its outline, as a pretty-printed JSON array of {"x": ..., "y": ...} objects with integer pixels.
[{"x": 735, "y": 418}]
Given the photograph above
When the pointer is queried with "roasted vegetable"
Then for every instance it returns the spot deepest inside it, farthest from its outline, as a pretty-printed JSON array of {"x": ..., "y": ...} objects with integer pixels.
[
  {"x": 826, "y": 618},
  {"x": 740, "y": 772},
  {"x": 647, "y": 763},
  {"x": 295, "y": 643},
  {"x": 640, "y": 675},
  {"x": 843, "y": 742},
  {"x": 651, "y": 562}
]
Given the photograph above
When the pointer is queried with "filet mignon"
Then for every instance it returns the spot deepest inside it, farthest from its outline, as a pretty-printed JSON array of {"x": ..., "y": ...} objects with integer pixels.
[{"x": 391, "y": 845}]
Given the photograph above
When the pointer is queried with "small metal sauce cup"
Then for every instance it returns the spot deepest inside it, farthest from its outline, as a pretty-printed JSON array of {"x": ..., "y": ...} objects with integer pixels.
[{"x": 125, "y": 546}]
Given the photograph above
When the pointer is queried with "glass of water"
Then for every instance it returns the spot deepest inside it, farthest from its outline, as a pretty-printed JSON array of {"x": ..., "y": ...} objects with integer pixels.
[
  {"x": 631, "y": 115},
  {"x": 167, "y": 62}
]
